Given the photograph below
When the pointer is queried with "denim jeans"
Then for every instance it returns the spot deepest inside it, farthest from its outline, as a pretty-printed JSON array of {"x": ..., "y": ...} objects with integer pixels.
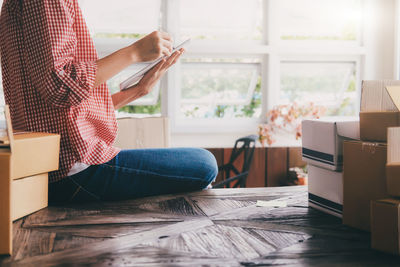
[{"x": 139, "y": 173}]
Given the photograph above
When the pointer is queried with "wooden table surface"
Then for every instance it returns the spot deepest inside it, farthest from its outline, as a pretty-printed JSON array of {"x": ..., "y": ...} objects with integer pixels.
[{"x": 218, "y": 227}]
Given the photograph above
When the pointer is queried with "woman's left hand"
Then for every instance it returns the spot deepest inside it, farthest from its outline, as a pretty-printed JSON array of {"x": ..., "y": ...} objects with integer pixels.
[
  {"x": 150, "y": 79},
  {"x": 147, "y": 83}
]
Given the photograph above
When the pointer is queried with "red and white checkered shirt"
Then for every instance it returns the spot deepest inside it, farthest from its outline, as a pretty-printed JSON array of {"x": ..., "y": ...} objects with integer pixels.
[{"x": 49, "y": 67}]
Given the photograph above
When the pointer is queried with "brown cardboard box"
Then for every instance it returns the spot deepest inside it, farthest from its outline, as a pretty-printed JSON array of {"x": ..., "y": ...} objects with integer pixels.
[
  {"x": 373, "y": 125},
  {"x": 393, "y": 161},
  {"x": 151, "y": 132},
  {"x": 34, "y": 153},
  {"x": 363, "y": 181},
  {"x": 380, "y": 109},
  {"x": 385, "y": 225},
  {"x": 23, "y": 177},
  {"x": 28, "y": 195},
  {"x": 393, "y": 179}
]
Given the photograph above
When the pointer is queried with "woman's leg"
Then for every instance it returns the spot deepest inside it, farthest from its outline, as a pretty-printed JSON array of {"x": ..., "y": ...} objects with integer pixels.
[{"x": 146, "y": 172}]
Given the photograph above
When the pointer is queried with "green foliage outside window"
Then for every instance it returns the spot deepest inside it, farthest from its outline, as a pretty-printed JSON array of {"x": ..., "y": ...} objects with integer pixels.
[{"x": 149, "y": 109}]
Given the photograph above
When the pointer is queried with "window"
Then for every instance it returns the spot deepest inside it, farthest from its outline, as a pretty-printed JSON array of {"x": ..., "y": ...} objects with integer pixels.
[
  {"x": 118, "y": 25},
  {"x": 246, "y": 56},
  {"x": 221, "y": 20},
  {"x": 220, "y": 89},
  {"x": 320, "y": 20},
  {"x": 331, "y": 84},
  {"x": 121, "y": 19}
]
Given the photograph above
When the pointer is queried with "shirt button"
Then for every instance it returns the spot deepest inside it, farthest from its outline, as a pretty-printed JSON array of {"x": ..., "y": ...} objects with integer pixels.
[{"x": 61, "y": 72}]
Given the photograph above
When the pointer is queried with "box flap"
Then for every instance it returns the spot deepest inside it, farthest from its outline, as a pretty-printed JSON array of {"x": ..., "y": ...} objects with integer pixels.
[
  {"x": 394, "y": 93},
  {"x": 7, "y": 140},
  {"x": 319, "y": 135},
  {"x": 349, "y": 129},
  {"x": 373, "y": 125},
  {"x": 374, "y": 96},
  {"x": 389, "y": 201},
  {"x": 393, "y": 141}
]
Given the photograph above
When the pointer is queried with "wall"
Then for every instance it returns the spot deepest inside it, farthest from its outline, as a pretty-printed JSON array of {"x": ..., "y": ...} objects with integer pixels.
[{"x": 269, "y": 167}]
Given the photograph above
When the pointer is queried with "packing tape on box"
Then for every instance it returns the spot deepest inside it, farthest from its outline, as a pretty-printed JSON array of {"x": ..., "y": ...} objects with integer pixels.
[{"x": 369, "y": 147}]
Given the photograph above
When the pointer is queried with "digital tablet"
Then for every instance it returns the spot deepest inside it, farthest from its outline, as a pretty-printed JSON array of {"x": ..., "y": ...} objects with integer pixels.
[{"x": 135, "y": 78}]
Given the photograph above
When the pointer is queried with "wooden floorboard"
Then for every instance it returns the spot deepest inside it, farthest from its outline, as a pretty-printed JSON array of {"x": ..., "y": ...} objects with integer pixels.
[{"x": 218, "y": 227}]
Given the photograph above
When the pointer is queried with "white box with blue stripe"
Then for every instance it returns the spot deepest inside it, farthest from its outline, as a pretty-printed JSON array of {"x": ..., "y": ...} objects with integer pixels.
[
  {"x": 325, "y": 190},
  {"x": 323, "y": 140}
]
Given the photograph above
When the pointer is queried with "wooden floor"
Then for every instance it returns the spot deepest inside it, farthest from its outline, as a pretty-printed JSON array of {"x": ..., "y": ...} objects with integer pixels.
[{"x": 219, "y": 227}]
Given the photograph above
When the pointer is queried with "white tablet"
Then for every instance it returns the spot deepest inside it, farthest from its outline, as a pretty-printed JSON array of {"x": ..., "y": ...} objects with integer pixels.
[{"x": 135, "y": 78}]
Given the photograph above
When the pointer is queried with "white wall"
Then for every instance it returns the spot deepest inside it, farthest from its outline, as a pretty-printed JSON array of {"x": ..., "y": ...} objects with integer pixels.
[{"x": 380, "y": 38}]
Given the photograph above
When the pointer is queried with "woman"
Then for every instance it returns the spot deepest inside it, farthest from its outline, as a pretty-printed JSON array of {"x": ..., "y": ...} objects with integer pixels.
[{"x": 54, "y": 82}]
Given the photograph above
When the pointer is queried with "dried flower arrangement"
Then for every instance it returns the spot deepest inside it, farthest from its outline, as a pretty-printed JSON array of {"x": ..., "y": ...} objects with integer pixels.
[{"x": 287, "y": 118}]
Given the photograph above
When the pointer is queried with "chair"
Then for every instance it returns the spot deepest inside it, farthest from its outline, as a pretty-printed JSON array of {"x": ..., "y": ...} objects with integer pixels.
[{"x": 244, "y": 145}]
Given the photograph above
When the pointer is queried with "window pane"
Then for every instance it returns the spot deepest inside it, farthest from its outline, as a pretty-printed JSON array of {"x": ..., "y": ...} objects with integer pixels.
[
  {"x": 320, "y": 20},
  {"x": 332, "y": 85},
  {"x": 222, "y": 19},
  {"x": 147, "y": 104},
  {"x": 220, "y": 90},
  {"x": 121, "y": 18}
]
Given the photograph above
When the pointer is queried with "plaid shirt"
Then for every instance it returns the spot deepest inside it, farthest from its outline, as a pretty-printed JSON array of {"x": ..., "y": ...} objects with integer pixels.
[{"x": 49, "y": 67}]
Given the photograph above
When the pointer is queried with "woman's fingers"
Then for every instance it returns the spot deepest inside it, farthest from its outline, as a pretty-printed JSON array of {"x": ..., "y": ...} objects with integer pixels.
[
  {"x": 166, "y": 36},
  {"x": 174, "y": 57},
  {"x": 153, "y": 75},
  {"x": 153, "y": 46}
]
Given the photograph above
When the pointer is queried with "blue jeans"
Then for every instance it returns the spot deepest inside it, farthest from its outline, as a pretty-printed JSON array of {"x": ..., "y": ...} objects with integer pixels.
[{"x": 139, "y": 173}]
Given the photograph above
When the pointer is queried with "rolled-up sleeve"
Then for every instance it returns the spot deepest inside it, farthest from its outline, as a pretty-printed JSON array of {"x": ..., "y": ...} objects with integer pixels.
[{"x": 50, "y": 53}]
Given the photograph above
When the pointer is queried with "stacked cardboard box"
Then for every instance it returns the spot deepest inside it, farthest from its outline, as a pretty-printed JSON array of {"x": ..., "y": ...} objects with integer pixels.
[
  {"x": 323, "y": 151},
  {"x": 25, "y": 160},
  {"x": 365, "y": 160},
  {"x": 372, "y": 167},
  {"x": 385, "y": 213},
  {"x": 136, "y": 133}
]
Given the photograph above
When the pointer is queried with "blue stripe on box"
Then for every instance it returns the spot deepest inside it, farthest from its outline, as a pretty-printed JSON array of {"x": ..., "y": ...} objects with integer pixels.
[
  {"x": 325, "y": 203},
  {"x": 319, "y": 156}
]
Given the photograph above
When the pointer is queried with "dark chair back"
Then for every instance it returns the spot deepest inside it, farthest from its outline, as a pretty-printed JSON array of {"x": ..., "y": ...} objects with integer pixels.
[{"x": 230, "y": 173}]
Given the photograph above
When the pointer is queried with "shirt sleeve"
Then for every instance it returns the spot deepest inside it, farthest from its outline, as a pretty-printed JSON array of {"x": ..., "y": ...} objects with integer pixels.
[{"x": 50, "y": 46}]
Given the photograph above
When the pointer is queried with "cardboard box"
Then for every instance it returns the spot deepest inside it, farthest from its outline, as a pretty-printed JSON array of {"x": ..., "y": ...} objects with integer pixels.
[
  {"x": 393, "y": 162},
  {"x": 323, "y": 141},
  {"x": 28, "y": 195},
  {"x": 25, "y": 159},
  {"x": 151, "y": 132},
  {"x": 363, "y": 181},
  {"x": 393, "y": 179},
  {"x": 385, "y": 225},
  {"x": 380, "y": 103},
  {"x": 34, "y": 153},
  {"x": 373, "y": 125},
  {"x": 325, "y": 190}
]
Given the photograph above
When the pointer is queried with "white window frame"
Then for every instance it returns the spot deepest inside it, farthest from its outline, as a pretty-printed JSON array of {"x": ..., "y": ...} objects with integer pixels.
[{"x": 271, "y": 51}]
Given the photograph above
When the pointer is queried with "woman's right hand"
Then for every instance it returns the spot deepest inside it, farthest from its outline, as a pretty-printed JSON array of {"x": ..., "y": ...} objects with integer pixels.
[{"x": 152, "y": 46}]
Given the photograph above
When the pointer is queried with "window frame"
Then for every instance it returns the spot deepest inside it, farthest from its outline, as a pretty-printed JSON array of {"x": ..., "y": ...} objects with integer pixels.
[{"x": 271, "y": 50}]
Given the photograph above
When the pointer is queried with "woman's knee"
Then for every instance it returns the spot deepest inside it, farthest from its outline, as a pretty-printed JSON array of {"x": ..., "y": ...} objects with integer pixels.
[{"x": 209, "y": 166}]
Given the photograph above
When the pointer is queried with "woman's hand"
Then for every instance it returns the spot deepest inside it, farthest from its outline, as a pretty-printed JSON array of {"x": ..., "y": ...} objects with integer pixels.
[
  {"x": 152, "y": 46},
  {"x": 147, "y": 83},
  {"x": 150, "y": 79}
]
